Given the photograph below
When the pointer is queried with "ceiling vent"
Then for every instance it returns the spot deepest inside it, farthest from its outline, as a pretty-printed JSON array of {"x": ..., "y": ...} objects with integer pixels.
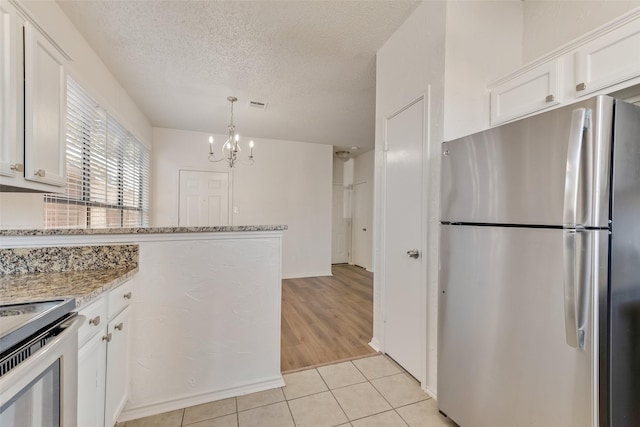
[{"x": 258, "y": 104}]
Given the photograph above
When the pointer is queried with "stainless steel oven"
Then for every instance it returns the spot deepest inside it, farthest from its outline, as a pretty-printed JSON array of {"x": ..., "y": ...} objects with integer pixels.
[{"x": 39, "y": 364}]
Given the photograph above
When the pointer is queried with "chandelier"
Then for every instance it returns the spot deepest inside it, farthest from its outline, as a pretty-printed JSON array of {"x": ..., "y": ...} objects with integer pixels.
[{"x": 231, "y": 148}]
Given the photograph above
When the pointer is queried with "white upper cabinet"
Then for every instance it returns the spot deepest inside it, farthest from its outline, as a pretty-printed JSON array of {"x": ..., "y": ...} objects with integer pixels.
[
  {"x": 45, "y": 110},
  {"x": 11, "y": 156},
  {"x": 608, "y": 60},
  {"x": 33, "y": 105},
  {"x": 531, "y": 91},
  {"x": 603, "y": 61}
]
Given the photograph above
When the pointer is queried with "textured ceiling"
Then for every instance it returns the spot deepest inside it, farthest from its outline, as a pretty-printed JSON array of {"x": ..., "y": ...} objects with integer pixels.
[{"x": 312, "y": 61}]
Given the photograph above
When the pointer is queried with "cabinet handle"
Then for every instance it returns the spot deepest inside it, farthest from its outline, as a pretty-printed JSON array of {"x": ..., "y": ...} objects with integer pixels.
[
  {"x": 550, "y": 98},
  {"x": 40, "y": 172},
  {"x": 95, "y": 321},
  {"x": 18, "y": 167},
  {"x": 119, "y": 326},
  {"x": 107, "y": 337},
  {"x": 581, "y": 86},
  {"x": 127, "y": 295}
]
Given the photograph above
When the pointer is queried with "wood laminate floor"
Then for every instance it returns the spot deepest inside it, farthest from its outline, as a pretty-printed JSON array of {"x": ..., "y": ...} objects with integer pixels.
[{"x": 326, "y": 319}]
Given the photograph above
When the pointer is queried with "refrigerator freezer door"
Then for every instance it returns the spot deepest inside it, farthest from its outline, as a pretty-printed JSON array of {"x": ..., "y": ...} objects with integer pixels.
[
  {"x": 503, "y": 360},
  {"x": 624, "y": 348},
  {"x": 521, "y": 172}
]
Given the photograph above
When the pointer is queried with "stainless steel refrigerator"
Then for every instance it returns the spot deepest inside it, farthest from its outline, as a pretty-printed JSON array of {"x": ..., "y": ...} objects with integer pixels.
[{"x": 539, "y": 302}]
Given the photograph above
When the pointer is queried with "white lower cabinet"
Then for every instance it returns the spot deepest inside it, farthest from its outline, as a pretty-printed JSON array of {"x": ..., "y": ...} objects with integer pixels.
[
  {"x": 92, "y": 364},
  {"x": 117, "y": 386},
  {"x": 103, "y": 359}
]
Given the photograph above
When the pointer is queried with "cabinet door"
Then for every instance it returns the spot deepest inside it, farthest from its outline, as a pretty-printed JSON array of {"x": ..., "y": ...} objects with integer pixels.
[
  {"x": 45, "y": 110},
  {"x": 527, "y": 93},
  {"x": 609, "y": 59},
  {"x": 117, "y": 367},
  {"x": 10, "y": 58},
  {"x": 92, "y": 361}
]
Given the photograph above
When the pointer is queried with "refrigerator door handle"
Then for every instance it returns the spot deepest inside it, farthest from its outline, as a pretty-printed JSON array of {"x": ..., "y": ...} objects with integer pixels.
[
  {"x": 579, "y": 123},
  {"x": 577, "y": 277}
]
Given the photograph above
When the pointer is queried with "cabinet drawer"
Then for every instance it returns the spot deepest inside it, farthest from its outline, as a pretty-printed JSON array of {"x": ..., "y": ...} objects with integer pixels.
[
  {"x": 608, "y": 60},
  {"x": 96, "y": 320},
  {"x": 120, "y": 298}
]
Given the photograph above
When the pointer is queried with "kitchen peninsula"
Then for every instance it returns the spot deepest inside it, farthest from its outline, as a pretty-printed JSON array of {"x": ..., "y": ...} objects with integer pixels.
[{"x": 205, "y": 319}]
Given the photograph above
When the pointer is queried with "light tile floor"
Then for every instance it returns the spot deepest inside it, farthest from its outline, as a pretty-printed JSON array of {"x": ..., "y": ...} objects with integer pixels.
[{"x": 368, "y": 392}]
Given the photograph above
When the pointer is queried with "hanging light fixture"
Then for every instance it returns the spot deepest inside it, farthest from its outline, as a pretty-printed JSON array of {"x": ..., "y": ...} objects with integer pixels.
[{"x": 231, "y": 148}]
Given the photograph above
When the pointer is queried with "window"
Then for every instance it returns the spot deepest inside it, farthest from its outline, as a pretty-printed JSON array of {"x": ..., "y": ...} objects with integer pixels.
[{"x": 107, "y": 171}]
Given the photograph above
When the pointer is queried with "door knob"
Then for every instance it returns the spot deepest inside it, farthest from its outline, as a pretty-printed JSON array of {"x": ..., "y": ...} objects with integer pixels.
[
  {"x": 364, "y": 229},
  {"x": 413, "y": 253}
]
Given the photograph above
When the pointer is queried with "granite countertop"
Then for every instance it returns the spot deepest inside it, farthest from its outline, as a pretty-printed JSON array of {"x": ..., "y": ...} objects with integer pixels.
[
  {"x": 83, "y": 285},
  {"x": 144, "y": 230}
]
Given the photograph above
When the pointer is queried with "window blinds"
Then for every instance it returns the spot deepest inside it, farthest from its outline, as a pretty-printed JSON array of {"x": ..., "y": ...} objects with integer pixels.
[{"x": 107, "y": 171}]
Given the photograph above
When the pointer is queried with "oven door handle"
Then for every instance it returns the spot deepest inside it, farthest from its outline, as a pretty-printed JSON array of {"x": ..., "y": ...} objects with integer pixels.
[{"x": 19, "y": 377}]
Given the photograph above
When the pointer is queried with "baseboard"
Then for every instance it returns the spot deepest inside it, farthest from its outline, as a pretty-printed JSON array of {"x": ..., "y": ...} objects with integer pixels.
[
  {"x": 305, "y": 275},
  {"x": 431, "y": 393},
  {"x": 375, "y": 344},
  {"x": 132, "y": 413}
]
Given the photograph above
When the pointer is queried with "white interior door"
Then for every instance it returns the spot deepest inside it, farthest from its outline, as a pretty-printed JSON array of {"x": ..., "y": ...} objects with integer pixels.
[
  {"x": 361, "y": 225},
  {"x": 403, "y": 305},
  {"x": 339, "y": 228},
  {"x": 204, "y": 199}
]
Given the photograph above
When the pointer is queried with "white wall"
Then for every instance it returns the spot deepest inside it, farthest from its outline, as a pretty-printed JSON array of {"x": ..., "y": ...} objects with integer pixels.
[
  {"x": 364, "y": 167},
  {"x": 290, "y": 183},
  {"x": 86, "y": 67},
  {"x": 548, "y": 25},
  {"x": 27, "y": 210},
  {"x": 21, "y": 210},
  {"x": 206, "y": 320},
  {"x": 483, "y": 42},
  {"x": 456, "y": 47},
  {"x": 338, "y": 170},
  {"x": 408, "y": 63},
  {"x": 205, "y": 323}
]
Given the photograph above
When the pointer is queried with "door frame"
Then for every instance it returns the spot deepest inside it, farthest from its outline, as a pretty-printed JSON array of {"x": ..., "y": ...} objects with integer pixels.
[
  {"x": 347, "y": 226},
  {"x": 369, "y": 225},
  {"x": 380, "y": 185},
  {"x": 230, "y": 192}
]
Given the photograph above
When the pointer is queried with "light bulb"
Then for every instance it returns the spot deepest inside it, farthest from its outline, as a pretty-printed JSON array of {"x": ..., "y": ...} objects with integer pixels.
[
  {"x": 237, "y": 138},
  {"x": 251, "y": 144}
]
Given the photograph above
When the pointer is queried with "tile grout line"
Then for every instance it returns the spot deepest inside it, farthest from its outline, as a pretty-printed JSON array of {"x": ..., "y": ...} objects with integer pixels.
[
  {"x": 334, "y": 396},
  {"x": 237, "y": 413},
  {"x": 402, "y": 371},
  {"x": 374, "y": 387}
]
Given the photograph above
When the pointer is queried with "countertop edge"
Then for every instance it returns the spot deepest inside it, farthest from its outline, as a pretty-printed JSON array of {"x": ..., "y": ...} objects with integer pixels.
[
  {"x": 140, "y": 230},
  {"x": 88, "y": 298},
  {"x": 83, "y": 296}
]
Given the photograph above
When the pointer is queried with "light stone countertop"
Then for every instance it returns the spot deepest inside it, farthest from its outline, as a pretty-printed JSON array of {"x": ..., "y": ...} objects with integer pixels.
[
  {"x": 143, "y": 230},
  {"x": 84, "y": 285}
]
